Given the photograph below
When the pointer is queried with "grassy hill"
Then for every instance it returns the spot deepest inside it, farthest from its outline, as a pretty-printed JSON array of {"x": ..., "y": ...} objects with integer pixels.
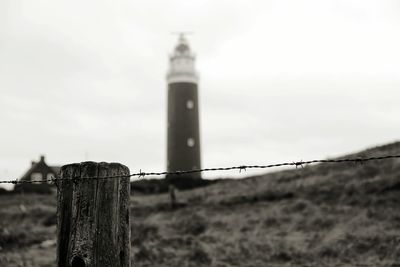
[{"x": 320, "y": 215}]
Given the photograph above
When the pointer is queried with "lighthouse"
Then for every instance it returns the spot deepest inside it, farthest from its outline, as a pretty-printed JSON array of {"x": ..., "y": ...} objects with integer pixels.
[{"x": 183, "y": 133}]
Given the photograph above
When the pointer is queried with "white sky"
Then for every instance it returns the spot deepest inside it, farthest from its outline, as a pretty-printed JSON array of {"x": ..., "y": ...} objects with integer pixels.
[{"x": 280, "y": 80}]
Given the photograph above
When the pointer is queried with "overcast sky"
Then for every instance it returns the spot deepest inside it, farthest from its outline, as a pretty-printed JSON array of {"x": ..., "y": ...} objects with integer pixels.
[{"x": 280, "y": 80}]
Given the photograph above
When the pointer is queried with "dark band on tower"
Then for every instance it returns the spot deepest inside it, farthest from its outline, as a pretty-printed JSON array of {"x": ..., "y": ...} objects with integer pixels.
[{"x": 183, "y": 148}]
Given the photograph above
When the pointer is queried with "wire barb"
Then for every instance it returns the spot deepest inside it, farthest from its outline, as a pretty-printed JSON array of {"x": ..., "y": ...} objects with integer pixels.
[
  {"x": 54, "y": 180},
  {"x": 242, "y": 168},
  {"x": 299, "y": 164},
  {"x": 141, "y": 174}
]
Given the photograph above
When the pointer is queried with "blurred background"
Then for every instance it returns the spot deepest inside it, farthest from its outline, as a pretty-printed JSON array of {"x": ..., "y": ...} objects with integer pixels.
[{"x": 279, "y": 80}]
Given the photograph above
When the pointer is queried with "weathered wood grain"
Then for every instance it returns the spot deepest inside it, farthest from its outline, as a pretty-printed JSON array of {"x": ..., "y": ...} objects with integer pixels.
[{"x": 93, "y": 216}]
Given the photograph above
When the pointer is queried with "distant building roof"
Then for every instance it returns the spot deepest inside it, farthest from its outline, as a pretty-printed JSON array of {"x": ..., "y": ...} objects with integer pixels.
[{"x": 42, "y": 168}]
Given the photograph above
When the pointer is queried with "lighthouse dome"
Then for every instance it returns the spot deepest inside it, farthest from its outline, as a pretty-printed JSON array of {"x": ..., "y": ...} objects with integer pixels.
[
  {"x": 182, "y": 48},
  {"x": 181, "y": 63}
]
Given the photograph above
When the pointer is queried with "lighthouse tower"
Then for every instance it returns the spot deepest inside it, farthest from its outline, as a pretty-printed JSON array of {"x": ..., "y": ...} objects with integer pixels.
[{"x": 183, "y": 148}]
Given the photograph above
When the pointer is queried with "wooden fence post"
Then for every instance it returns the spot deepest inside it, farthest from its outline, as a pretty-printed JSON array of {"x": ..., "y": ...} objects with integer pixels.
[{"x": 93, "y": 216}]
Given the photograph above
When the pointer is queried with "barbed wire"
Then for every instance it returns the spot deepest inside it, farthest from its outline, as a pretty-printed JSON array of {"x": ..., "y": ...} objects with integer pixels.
[{"x": 141, "y": 174}]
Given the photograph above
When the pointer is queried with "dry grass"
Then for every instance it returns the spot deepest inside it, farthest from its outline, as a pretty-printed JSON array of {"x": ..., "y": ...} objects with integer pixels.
[{"x": 324, "y": 215}]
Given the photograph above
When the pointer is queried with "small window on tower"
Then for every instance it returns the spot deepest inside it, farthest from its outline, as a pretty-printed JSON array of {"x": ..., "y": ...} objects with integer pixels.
[
  {"x": 189, "y": 104},
  {"x": 190, "y": 142}
]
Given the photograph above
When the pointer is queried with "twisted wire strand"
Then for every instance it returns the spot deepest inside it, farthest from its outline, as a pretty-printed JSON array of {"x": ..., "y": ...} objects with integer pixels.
[{"x": 141, "y": 174}]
